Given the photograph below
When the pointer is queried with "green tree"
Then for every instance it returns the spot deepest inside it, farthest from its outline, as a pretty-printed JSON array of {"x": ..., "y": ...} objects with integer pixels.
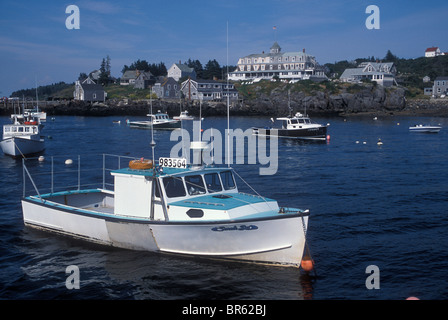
[
  {"x": 104, "y": 76},
  {"x": 390, "y": 57},
  {"x": 212, "y": 69},
  {"x": 197, "y": 66}
]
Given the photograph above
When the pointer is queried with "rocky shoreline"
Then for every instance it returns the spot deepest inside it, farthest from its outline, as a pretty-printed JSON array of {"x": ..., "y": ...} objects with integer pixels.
[{"x": 368, "y": 99}]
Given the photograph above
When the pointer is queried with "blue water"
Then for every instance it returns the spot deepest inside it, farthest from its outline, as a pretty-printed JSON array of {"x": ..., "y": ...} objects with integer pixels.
[{"x": 370, "y": 205}]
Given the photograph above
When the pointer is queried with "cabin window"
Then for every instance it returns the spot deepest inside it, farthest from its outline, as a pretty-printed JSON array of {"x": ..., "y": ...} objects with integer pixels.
[
  {"x": 294, "y": 121},
  {"x": 27, "y": 129},
  {"x": 195, "y": 185},
  {"x": 174, "y": 187},
  {"x": 227, "y": 180},
  {"x": 7, "y": 129},
  {"x": 212, "y": 182},
  {"x": 20, "y": 129},
  {"x": 301, "y": 121}
]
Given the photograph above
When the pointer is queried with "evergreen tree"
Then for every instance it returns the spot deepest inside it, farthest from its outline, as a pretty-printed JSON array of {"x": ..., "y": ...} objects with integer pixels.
[
  {"x": 212, "y": 69},
  {"x": 197, "y": 66},
  {"x": 390, "y": 57},
  {"x": 104, "y": 77}
]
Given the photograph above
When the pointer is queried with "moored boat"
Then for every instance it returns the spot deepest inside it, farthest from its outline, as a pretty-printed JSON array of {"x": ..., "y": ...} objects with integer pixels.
[
  {"x": 299, "y": 126},
  {"x": 425, "y": 128},
  {"x": 22, "y": 136},
  {"x": 172, "y": 207},
  {"x": 157, "y": 121},
  {"x": 183, "y": 116}
]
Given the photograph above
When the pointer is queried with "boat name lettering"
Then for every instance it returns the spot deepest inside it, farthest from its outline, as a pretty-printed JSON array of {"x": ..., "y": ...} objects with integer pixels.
[
  {"x": 242, "y": 227},
  {"x": 173, "y": 162}
]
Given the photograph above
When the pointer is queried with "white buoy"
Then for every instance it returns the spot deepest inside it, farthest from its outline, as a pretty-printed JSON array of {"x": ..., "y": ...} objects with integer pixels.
[
  {"x": 69, "y": 161},
  {"x": 380, "y": 143},
  {"x": 364, "y": 142},
  {"x": 41, "y": 158},
  {"x": 357, "y": 141}
]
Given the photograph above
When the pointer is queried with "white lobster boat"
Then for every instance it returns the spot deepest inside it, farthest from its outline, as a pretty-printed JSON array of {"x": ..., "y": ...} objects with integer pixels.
[
  {"x": 22, "y": 137},
  {"x": 174, "y": 208}
]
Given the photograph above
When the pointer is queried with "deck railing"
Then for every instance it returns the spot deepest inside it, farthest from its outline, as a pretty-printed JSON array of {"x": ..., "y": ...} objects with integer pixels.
[{"x": 61, "y": 173}]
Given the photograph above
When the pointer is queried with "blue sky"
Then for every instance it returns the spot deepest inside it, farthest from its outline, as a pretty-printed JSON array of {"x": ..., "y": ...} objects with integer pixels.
[{"x": 36, "y": 45}]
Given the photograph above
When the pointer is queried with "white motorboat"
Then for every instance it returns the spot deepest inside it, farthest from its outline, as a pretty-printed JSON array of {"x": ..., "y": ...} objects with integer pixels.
[
  {"x": 35, "y": 113},
  {"x": 425, "y": 128},
  {"x": 174, "y": 208},
  {"x": 183, "y": 116},
  {"x": 22, "y": 136},
  {"x": 157, "y": 121},
  {"x": 299, "y": 126}
]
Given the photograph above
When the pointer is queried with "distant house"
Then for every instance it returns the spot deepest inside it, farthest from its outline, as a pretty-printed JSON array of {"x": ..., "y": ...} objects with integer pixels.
[
  {"x": 208, "y": 90},
  {"x": 381, "y": 73},
  {"x": 440, "y": 86},
  {"x": 144, "y": 80},
  {"x": 88, "y": 90},
  {"x": 138, "y": 78},
  {"x": 180, "y": 70},
  {"x": 167, "y": 88},
  {"x": 433, "y": 52}
]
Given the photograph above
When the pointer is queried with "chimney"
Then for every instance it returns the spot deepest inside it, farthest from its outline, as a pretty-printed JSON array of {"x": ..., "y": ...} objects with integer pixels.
[{"x": 303, "y": 50}]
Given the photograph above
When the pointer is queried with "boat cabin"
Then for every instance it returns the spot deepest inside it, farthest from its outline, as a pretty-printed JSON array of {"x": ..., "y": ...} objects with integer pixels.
[
  {"x": 159, "y": 117},
  {"x": 181, "y": 194},
  {"x": 20, "y": 129},
  {"x": 298, "y": 121}
]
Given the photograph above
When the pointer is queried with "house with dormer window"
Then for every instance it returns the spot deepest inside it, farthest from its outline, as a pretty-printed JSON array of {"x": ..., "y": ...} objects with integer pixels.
[
  {"x": 287, "y": 66},
  {"x": 382, "y": 73},
  {"x": 208, "y": 90}
]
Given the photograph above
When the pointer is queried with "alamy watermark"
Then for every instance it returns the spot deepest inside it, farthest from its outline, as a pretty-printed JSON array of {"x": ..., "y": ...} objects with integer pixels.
[
  {"x": 73, "y": 20},
  {"x": 373, "y": 21},
  {"x": 72, "y": 281},
  {"x": 261, "y": 150},
  {"x": 373, "y": 280}
]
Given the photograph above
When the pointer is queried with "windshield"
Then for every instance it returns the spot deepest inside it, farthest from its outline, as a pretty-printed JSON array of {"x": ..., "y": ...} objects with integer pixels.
[
  {"x": 195, "y": 185},
  {"x": 174, "y": 187},
  {"x": 227, "y": 180},
  {"x": 212, "y": 182}
]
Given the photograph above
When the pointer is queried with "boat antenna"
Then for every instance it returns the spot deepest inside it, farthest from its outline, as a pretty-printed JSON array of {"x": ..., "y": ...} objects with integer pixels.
[
  {"x": 37, "y": 99},
  {"x": 289, "y": 102},
  {"x": 228, "y": 103},
  {"x": 153, "y": 144}
]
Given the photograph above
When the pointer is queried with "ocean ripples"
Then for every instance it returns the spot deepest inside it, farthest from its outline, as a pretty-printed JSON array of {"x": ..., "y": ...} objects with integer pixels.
[{"x": 384, "y": 206}]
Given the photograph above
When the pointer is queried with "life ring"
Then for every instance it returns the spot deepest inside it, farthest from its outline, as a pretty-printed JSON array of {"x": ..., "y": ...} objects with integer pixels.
[{"x": 140, "y": 164}]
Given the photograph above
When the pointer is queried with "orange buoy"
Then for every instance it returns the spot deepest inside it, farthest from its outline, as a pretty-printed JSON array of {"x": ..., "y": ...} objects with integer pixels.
[
  {"x": 328, "y": 137},
  {"x": 140, "y": 164},
  {"x": 412, "y": 298},
  {"x": 307, "y": 265}
]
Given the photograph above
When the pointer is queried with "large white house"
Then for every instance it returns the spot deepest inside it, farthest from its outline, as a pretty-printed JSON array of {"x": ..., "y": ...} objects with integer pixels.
[
  {"x": 381, "y": 73},
  {"x": 292, "y": 66}
]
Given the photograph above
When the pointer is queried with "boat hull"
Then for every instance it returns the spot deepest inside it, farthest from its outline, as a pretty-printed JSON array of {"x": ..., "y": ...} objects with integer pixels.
[
  {"x": 314, "y": 133},
  {"x": 147, "y": 125},
  {"x": 16, "y": 146},
  {"x": 425, "y": 129},
  {"x": 277, "y": 240}
]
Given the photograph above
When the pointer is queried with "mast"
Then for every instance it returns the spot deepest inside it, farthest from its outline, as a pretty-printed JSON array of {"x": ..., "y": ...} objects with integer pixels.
[
  {"x": 228, "y": 103},
  {"x": 37, "y": 99}
]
